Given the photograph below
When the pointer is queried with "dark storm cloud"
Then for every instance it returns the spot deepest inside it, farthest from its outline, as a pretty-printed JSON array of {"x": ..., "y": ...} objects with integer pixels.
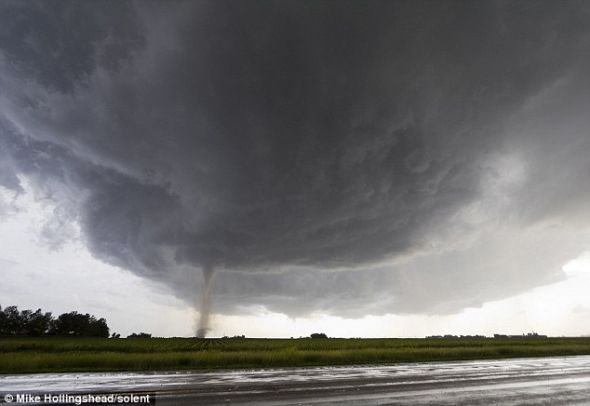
[
  {"x": 61, "y": 44},
  {"x": 320, "y": 146}
]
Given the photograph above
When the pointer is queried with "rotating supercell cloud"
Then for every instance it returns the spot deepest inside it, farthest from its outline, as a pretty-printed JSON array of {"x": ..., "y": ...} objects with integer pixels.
[{"x": 349, "y": 157}]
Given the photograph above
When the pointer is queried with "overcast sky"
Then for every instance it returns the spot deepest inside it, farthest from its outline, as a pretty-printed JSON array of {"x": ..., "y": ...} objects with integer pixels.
[{"x": 359, "y": 168}]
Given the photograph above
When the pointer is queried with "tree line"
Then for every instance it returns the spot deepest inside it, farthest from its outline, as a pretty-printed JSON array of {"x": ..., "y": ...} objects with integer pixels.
[{"x": 37, "y": 323}]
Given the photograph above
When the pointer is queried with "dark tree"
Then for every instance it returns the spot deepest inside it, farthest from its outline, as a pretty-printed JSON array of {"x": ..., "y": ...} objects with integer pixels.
[
  {"x": 318, "y": 335},
  {"x": 38, "y": 323},
  {"x": 69, "y": 324},
  {"x": 23, "y": 323},
  {"x": 2, "y": 322},
  {"x": 98, "y": 328},
  {"x": 139, "y": 335},
  {"x": 28, "y": 323},
  {"x": 13, "y": 323},
  {"x": 77, "y": 324}
]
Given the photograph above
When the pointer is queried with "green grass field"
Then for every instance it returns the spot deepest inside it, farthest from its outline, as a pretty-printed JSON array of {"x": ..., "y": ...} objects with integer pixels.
[{"x": 54, "y": 354}]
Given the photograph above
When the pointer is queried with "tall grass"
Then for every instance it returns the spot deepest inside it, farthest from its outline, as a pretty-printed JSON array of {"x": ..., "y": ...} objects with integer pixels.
[{"x": 90, "y": 354}]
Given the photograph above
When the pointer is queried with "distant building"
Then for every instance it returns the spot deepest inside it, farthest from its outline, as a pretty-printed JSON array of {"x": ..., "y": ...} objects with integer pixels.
[
  {"x": 527, "y": 335},
  {"x": 461, "y": 336}
]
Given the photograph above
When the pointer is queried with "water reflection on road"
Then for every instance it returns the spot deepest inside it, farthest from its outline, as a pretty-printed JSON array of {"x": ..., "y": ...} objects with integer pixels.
[{"x": 555, "y": 380}]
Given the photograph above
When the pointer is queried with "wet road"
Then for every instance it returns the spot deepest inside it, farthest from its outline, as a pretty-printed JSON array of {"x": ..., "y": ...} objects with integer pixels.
[{"x": 534, "y": 381}]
